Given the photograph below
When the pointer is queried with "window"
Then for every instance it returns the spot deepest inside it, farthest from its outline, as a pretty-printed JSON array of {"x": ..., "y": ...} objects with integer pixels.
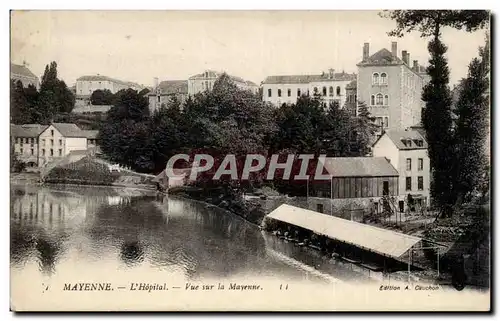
[
  {"x": 420, "y": 164},
  {"x": 386, "y": 122},
  {"x": 60, "y": 152},
  {"x": 419, "y": 142},
  {"x": 18, "y": 140},
  {"x": 408, "y": 164},
  {"x": 51, "y": 142},
  {"x": 51, "y": 152},
  {"x": 375, "y": 79},
  {"x": 51, "y": 132},
  {"x": 383, "y": 78},
  {"x": 386, "y": 100},
  {"x": 315, "y": 90},
  {"x": 338, "y": 90},
  {"x": 32, "y": 151},
  {"x": 269, "y": 92},
  {"x": 298, "y": 92},
  {"x": 420, "y": 183},
  {"x": 324, "y": 91},
  {"x": 159, "y": 98},
  {"x": 206, "y": 74},
  {"x": 372, "y": 102},
  {"x": 279, "y": 92},
  {"x": 60, "y": 141},
  {"x": 331, "y": 91},
  {"x": 289, "y": 92},
  {"x": 21, "y": 150},
  {"x": 380, "y": 99},
  {"x": 408, "y": 183},
  {"x": 43, "y": 152},
  {"x": 319, "y": 208},
  {"x": 43, "y": 141}
]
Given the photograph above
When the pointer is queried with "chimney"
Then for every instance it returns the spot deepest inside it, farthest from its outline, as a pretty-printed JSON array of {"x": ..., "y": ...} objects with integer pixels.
[
  {"x": 331, "y": 73},
  {"x": 408, "y": 59},
  {"x": 404, "y": 56},
  {"x": 415, "y": 65},
  {"x": 394, "y": 48},
  {"x": 366, "y": 51}
]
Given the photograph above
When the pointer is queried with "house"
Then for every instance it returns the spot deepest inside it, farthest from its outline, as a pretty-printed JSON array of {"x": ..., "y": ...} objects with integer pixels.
[
  {"x": 205, "y": 81},
  {"x": 356, "y": 183},
  {"x": 59, "y": 139},
  {"x": 164, "y": 91},
  {"x": 25, "y": 143},
  {"x": 391, "y": 87},
  {"x": 407, "y": 152},
  {"x": 332, "y": 86},
  {"x": 23, "y": 74},
  {"x": 181, "y": 175}
]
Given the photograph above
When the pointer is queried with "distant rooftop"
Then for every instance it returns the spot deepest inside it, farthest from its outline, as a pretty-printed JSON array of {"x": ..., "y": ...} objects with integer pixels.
[
  {"x": 359, "y": 167},
  {"x": 215, "y": 74},
  {"x": 106, "y": 78},
  {"x": 407, "y": 139},
  {"x": 169, "y": 87},
  {"x": 27, "y": 130},
  {"x": 305, "y": 79}
]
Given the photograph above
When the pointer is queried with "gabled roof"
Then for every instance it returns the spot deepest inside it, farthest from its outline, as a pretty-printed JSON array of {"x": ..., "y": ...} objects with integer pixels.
[
  {"x": 27, "y": 130},
  {"x": 305, "y": 79},
  {"x": 91, "y": 134},
  {"x": 69, "y": 130},
  {"x": 169, "y": 87},
  {"x": 359, "y": 167},
  {"x": 215, "y": 74},
  {"x": 21, "y": 70},
  {"x": 406, "y": 139},
  {"x": 381, "y": 57}
]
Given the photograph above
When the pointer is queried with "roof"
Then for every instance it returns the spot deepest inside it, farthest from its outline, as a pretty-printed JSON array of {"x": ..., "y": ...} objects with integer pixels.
[
  {"x": 106, "y": 78},
  {"x": 27, "y": 130},
  {"x": 405, "y": 139},
  {"x": 371, "y": 238},
  {"x": 352, "y": 85},
  {"x": 69, "y": 130},
  {"x": 305, "y": 79},
  {"x": 182, "y": 172},
  {"x": 359, "y": 167},
  {"x": 21, "y": 70},
  {"x": 382, "y": 57},
  {"x": 170, "y": 87},
  {"x": 91, "y": 134}
]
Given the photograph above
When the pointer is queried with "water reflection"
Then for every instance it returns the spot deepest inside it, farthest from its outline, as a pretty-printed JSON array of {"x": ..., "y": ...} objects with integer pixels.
[{"x": 121, "y": 233}]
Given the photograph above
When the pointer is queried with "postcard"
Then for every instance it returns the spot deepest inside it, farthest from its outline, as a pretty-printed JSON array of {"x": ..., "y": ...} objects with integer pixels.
[{"x": 250, "y": 161}]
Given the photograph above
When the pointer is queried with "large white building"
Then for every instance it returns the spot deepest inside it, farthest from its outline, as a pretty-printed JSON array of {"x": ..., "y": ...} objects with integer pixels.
[
  {"x": 86, "y": 85},
  {"x": 286, "y": 89}
]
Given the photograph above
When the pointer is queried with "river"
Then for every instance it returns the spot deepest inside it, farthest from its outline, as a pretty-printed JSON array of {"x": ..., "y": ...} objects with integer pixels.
[{"x": 72, "y": 233}]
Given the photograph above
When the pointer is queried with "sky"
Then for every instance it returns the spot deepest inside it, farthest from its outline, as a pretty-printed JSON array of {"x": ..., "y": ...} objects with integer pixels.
[{"x": 141, "y": 45}]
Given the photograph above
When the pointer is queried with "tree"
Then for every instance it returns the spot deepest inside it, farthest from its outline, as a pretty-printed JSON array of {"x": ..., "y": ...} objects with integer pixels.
[
  {"x": 19, "y": 109},
  {"x": 436, "y": 117},
  {"x": 102, "y": 97},
  {"x": 55, "y": 97},
  {"x": 364, "y": 130},
  {"x": 471, "y": 129}
]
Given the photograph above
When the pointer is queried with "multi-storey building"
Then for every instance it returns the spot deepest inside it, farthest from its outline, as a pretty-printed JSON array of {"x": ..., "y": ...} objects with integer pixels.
[
  {"x": 407, "y": 152},
  {"x": 23, "y": 74},
  {"x": 205, "y": 81},
  {"x": 86, "y": 85},
  {"x": 332, "y": 86},
  {"x": 164, "y": 91},
  {"x": 391, "y": 87},
  {"x": 37, "y": 144}
]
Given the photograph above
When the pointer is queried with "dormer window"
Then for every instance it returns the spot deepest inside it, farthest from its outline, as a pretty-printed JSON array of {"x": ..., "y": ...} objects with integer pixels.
[{"x": 419, "y": 142}]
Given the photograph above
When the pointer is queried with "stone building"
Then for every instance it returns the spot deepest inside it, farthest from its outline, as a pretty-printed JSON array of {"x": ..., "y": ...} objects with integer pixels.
[{"x": 23, "y": 74}]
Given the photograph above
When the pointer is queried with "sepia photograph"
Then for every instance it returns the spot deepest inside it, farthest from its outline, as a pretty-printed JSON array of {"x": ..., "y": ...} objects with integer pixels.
[{"x": 304, "y": 161}]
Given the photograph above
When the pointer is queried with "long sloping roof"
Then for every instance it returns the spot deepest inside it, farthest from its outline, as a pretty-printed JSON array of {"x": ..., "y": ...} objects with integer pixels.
[
  {"x": 106, "y": 78},
  {"x": 215, "y": 74},
  {"x": 26, "y": 130},
  {"x": 359, "y": 167},
  {"x": 21, "y": 70},
  {"x": 412, "y": 135},
  {"x": 305, "y": 79},
  {"x": 375, "y": 239},
  {"x": 69, "y": 130},
  {"x": 169, "y": 87}
]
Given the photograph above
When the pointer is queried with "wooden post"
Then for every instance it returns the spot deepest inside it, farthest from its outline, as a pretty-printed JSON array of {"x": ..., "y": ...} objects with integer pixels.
[{"x": 438, "y": 260}]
